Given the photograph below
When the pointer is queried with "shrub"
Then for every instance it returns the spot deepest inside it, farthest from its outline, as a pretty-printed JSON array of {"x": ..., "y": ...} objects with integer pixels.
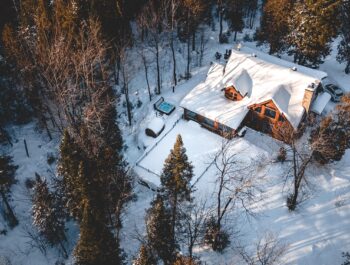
[
  {"x": 216, "y": 237},
  {"x": 51, "y": 158},
  {"x": 29, "y": 183},
  {"x": 282, "y": 155}
]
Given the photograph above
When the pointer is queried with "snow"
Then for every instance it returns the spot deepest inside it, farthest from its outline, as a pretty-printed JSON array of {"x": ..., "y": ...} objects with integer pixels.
[
  {"x": 265, "y": 78},
  {"x": 208, "y": 100},
  {"x": 198, "y": 142},
  {"x": 17, "y": 246},
  {"x": 320, "y": 102},
  {"x": 316, "y": 233},
  {"x": 156, "y": 125},
  {"x": 273, "y": 78},
  {"x": 243, "y": 83}
]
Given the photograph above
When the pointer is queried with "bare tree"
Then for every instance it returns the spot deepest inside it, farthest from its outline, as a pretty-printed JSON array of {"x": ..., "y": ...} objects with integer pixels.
[
  {"x": 126, "y": 75},
  {"x": 146, "y": 68},
  {"x": 202, "y": 46},
  {"x": 172, "y": 6},
  {"x": 301, "y": 158},
  {"x": 196, "y": 216},
  {"x": 236, "y": 185},
  {"x": 151, "y": 17},
  {"x": 194, "y": 9},
  {"x": 269, "y": 250}
]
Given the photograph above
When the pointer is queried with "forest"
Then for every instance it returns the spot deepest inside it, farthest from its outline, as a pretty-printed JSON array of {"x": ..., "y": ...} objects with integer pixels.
[{"x": 83, "y": 74}]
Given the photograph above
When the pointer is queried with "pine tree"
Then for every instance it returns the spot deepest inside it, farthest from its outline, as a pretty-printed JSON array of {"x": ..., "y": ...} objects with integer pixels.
[
  {"x": 158, "y": 227},
  {"x": 48, "y": 215},
  {"x": 342, "y": 116},
  {"x": 96, "y": 244},
  {"x": 344, "y": 45},
  {"x": 176, "y": 182},
  {"x": 329, "y": 141},
  {"x": 274, "y": 24},
  {"x": 183, "y": 260},
  {"x": 70, "y": 185},
  {"x": 7, "y": 179},
  {"x": 346, "y": 256},
  {"x": 145, "y": 257},
  {"x": 313, "y": 24}
]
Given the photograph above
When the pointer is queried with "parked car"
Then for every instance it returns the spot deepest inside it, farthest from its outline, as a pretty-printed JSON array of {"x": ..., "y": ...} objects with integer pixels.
[{"x": 335, "y": 92}]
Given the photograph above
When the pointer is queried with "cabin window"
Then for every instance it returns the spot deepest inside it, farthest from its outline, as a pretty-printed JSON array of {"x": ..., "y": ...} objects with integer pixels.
[
  {"x": 258, "y": 109},
  {"x": 229, "y": 94},
  {"x": 270, "y": 113},
  {"x": 208, "y": 122},
  {"x": 191, "y": 115},
  {"x": 281, "y": 118}
]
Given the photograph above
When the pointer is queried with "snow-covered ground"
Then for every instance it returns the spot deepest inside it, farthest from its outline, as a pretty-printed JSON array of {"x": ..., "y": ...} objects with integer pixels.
[{"x": 316, "y": 233}]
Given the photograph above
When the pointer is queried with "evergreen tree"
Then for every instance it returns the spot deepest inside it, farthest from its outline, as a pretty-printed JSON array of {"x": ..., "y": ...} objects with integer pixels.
[
  {"x": 342, "y": 116},
  {"x": 176, "y": 182},
  {"x": 344, "y": 45},
  {"x": 145, "y": 257},
  {"x": 274, "y": 24},
  {"x": 48, "y": 215},
  {"x": 96, "y": 243},
  {"x": 313, "y": 24},
  {"x": 329, "y": 141},
  {"x": 158, "y": 227},
  {"x": 346, "y": 256},
  {"x": 183, "y": 260},
  {"x": 70, "y": 185},
  {"x": 7, "y": 179}
]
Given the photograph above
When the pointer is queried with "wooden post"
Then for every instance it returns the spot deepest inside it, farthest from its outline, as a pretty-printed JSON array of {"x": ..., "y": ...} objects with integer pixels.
[{"x": 26, "y": 147}]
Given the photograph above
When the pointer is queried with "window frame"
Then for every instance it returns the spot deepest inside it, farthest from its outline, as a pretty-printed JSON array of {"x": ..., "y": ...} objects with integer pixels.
[{"x": 268, "y": 110}]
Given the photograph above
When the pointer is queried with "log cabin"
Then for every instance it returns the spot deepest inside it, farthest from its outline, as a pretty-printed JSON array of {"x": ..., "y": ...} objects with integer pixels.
[{"x": 256, "y": 90}]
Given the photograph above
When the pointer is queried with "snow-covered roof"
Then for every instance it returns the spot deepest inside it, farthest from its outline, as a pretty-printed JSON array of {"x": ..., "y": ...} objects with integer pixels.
[
  {"x": 320, "y": 102},
  {"x": 263, "y": 77},
  {"x": 156, "y": 125},
  {"x": 242, "y": 83}
]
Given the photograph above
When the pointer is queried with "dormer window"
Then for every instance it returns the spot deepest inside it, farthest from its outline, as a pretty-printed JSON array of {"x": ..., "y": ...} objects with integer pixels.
[{"x": 232, "y": 94}]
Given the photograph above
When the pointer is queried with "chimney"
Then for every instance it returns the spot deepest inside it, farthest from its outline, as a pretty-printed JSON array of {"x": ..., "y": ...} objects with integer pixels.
[{"x": 308, "y": 97}]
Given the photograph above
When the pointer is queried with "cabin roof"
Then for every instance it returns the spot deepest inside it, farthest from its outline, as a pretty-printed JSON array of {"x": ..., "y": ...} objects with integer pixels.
[{"x": 263, "y": 77}]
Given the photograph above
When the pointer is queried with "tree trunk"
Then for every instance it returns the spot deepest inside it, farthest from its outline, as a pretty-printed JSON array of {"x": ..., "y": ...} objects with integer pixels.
[
  {"x": 173, "y": 224},
  {"x": 118, "y": 70},
  {"x": 173, "y": 221},
  {"x": 221, "y": 17},
  {"x": 235, "y": 38},
  {"x": 12, "y": 220},
  {"x": 146, "y": 74},
  {"x": 158, "y": 67},
  {"x": 174, "y": 58},
  {"x": 188, "y": 58},
  {"x": 194, "y": 40},
  {"x": 128, "y": 107},
  {"x": 5, "y": 134}
]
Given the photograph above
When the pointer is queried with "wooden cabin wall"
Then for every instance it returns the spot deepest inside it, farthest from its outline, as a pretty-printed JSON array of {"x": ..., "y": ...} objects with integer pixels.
[
  {"x": 211, "y": 125},
  {"x": 278, "y": 127}
]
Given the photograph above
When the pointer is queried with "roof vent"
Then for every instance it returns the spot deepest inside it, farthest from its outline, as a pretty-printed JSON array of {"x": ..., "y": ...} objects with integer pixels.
[{"x": 294, "y": 68}]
